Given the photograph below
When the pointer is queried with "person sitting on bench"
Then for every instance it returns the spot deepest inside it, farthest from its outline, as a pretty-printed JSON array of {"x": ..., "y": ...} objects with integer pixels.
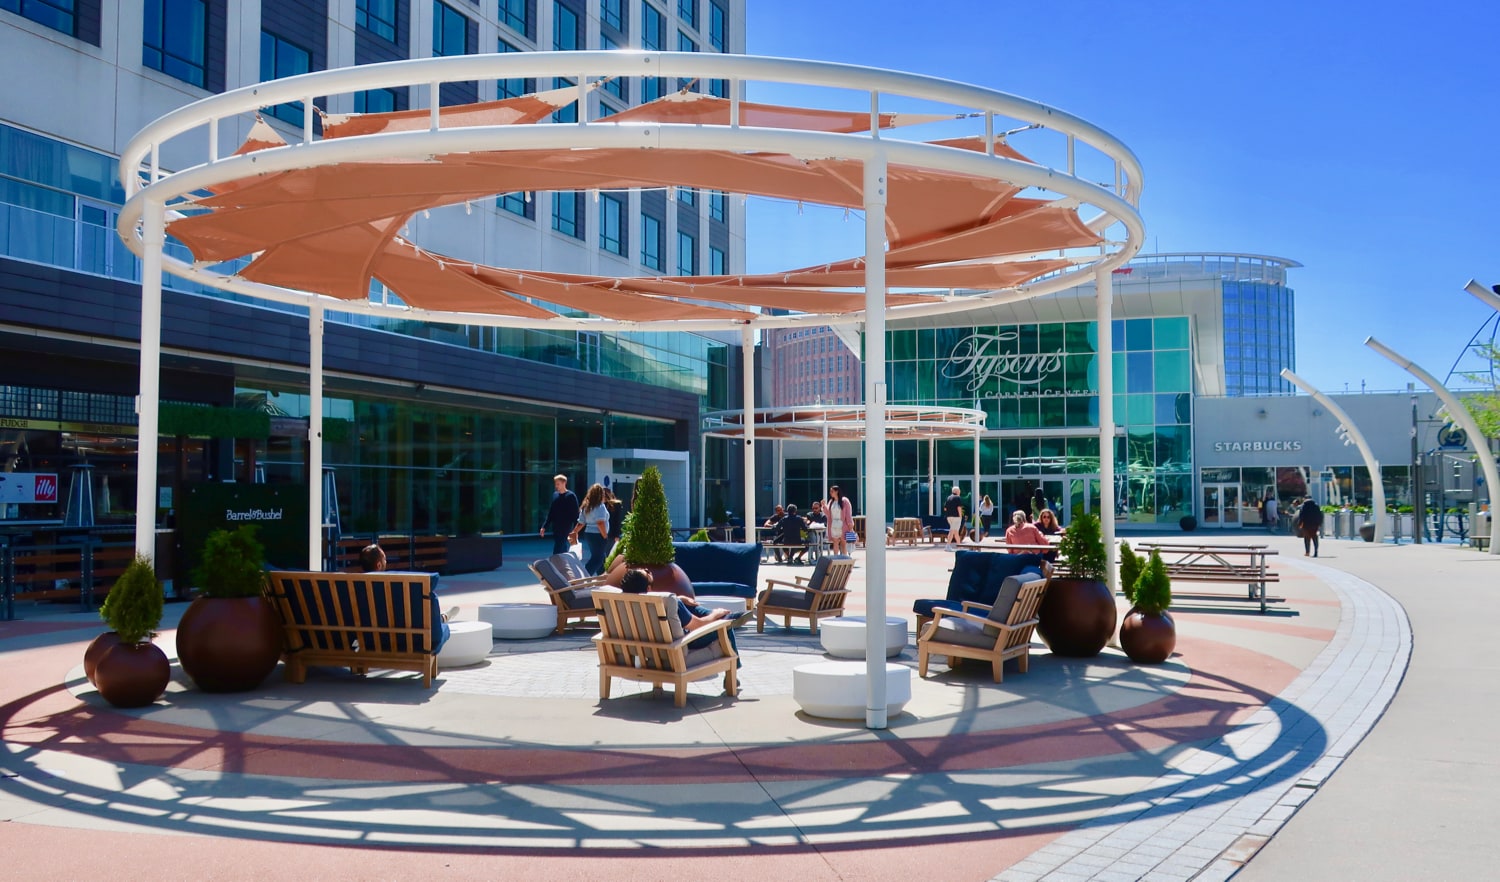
[{"x": 791, "y": 537}]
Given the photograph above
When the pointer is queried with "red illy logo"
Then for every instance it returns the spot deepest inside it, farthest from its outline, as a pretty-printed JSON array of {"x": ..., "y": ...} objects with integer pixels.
[{"x": 46, "y": 488}]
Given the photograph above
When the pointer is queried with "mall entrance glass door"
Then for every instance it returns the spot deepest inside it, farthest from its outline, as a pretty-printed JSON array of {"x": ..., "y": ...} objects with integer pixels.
[{"x": 1221, "y": 505}]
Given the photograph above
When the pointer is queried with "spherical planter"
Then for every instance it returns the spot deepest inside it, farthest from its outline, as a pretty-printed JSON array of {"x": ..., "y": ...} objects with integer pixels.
[
  {"x": 1188, "y": 523},
  {"x": 668, "y": 578},
  {"x": 102, "y": 644},
  {"x": 1148, "y": 638},
  {"x": 132, "y": 674},
  {"x": 229, "y": 644},
  {"x": 1077, "y": 617}
]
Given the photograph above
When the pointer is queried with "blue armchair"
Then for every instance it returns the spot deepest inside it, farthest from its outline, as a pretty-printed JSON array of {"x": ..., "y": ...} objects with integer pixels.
[
  {"x": 977, "y": 577},
  {"x": 723, "y": 569}
]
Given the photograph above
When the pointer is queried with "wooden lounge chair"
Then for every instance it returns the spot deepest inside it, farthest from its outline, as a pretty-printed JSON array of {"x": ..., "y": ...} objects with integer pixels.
[
  {"x": 988, "y": 633},
  {"x": 640, "y": 638},
  {"x": 908, "y": 530},
  {"x": 818, "y": 596},
  {"x": 570, "y": 592}
]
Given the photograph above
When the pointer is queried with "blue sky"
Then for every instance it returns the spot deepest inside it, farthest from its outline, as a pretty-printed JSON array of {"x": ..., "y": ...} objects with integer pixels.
[{"x": 1361, "y": 140}]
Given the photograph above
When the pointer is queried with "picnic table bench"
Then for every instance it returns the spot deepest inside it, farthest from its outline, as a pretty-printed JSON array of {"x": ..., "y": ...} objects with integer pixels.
[{"x": 1226, "y": 564}]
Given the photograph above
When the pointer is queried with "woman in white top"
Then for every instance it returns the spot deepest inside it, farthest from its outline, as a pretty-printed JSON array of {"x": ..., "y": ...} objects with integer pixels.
[
  {"x": 986, "y": 515},
  {"x": 840, "y": 516},
  {"x": 593, "y": 527}
]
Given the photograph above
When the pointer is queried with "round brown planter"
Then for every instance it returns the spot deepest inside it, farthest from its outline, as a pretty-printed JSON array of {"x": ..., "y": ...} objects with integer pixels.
[
  {"x": 1148, "y": 638},
  {"x": 229, "y": 644},
  {"x": 132, "y": 674},
  {"x": 102, "y": 644},
  {"x": 1077, "y": 617},
  {"x": 668, "y": 578}
]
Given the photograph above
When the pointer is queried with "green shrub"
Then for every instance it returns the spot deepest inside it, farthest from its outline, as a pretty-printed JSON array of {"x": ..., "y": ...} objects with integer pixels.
[
  {"x": 651, "y": 532},
  {"x": 232, "y": 564},
  {"x": 701, "y": 535},
  {"x": 132, "y": 609},
  {"x": 622, "y": 547},
  {"x": 1153, "y": 590},
  {"x": 1083, "y": 548},
  {"x": 1130, "y": 570}
]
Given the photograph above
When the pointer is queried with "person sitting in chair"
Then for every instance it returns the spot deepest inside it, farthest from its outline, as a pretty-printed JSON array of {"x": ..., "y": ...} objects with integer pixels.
[
  {"x": 791, "y": 531},
  {"x": 638, "y": 581},
  {"x": 372, "y": 560}
]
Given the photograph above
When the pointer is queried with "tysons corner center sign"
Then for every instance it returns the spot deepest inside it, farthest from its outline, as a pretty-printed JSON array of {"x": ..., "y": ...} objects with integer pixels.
[
  {"x": 978, "y": 357},
  {"x": 1256, "y": 446}
]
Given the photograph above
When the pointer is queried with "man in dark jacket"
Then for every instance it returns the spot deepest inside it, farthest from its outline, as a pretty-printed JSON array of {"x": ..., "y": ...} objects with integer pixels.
[
  {"x": 562, "y": 516},
  {"x": 789, "y": 532}
]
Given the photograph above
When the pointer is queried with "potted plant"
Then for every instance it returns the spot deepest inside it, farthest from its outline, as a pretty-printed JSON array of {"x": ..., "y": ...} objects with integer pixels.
[
  {"x": 648, "y": 539},
  {"x": 1077, "y": 616},
  {"x": 230, "y": 637},
  {"x": 131, "y": 671},
  {"x": 1148, "y": 635},
  {"x": 617, "y": 554},
  {"x": 1131, "y": 566}
]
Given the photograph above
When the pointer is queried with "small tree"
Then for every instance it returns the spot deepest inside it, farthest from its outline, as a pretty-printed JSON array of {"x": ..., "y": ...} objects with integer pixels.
[
  {"x": 1083, "y": 548},
  {"x": 651, "y": 528},
  {"x": 1153, "y": 589},
  {"x": 132, "y": 609},
  {"x": 1131, "y": 566},
  {"x": 622, "y": 547},
  {"x": 232, "y": 564}
]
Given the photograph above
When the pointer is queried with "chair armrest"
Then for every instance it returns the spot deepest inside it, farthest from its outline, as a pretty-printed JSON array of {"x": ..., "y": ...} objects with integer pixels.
[
  {"x": 716, "y": 625},
  {"x": 970, "y": 605},
  {"x": 1018, "y": 626},
  {"x": 800, "y": 583},
  {"x": 939, "y": 613}
]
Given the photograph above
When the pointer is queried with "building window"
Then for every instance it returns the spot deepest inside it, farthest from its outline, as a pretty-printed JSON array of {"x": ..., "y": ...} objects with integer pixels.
[
  {"x": 176, "y": 39},
  {"x": 612, "y": 13},
  {"x": 564, "y": 28},
  {"x": 515, "y": 87},
  {"x": 718, "y": 206},
  {"x": 567, "y": 214},
  {"x": 653, "y": 28},
  {"x": 718, "y": 261},
  {"x": 280, "y": 58},
  {"x": 718, "y": 27},
  {"x": 687, "y": 10},
  {"x": 652, "y": 243},
  {"x": 450, "y": 30},
  {"x": 59, "y": 15},
  {"x": 516, "y": 15},
  {"x": 375, "y": 101},
  {"x": 687, "y": 254},
  {"x": 519, "y": 204},
  {"x": 652, "y": 88},
  {"x": 685, "y": 43},
  {"x": 718, "y": 88},
  {"x": 377, "y": 16},
  {"x": 614, "y": 85},
  {"x": 687, "y": 195},
  {"x": 612, "y": 224},
  {"x": 568, "y": 114}
]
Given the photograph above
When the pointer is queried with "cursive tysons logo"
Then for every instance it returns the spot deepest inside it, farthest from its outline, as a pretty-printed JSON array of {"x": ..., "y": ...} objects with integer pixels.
[{"x": 981, "y": 356}]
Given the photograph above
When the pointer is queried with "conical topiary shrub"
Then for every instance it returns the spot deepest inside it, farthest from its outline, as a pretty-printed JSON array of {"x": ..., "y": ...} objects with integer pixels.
[
  {"x": 650, "y": 542},
  {"x": 1153, "y": 587},
  {"x": 134, "y": 604},
  {"x": 1131, "y": 566},
  {"x": 134, "y": 672},
  {"x": 1148, "y": 635}
]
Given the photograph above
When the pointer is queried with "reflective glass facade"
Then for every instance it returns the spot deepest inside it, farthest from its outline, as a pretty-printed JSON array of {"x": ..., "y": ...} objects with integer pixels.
[{"x": 1038, "y": 385}]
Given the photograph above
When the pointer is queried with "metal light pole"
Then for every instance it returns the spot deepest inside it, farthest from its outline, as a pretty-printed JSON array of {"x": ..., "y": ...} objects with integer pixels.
[{"x": 1418, "y": 508}]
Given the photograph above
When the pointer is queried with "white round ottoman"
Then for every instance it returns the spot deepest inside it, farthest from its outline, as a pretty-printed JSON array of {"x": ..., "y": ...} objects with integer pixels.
[
  {"x": 468, "y": 644},
  {"x": 519, "y": 621},
  {"x": 837, "y": 690},
  {"x": 844, "y": 637},
  {"x": 732, "y": 604}
]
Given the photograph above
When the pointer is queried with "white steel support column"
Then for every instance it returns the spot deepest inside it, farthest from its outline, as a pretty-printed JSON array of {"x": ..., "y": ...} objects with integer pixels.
[
  {"x": 1460, "y": 415},
  {"x": 931, "y": 476},
  {"x": 1377, "y": 486},
  {"x": 1104, "y": 315},
  {"x": 747, "y": 384},
  {"x": 823, "y": 491},
  {"x": 973, "y": 511},
  {"x": 148, "y": 405},
  {"x": 315, "y": 437},
  {"x": 875, "y": 419}
]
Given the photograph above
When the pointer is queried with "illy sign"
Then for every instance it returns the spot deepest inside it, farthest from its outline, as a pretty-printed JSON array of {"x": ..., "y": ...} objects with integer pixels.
[{"x": 25, "y": 487}]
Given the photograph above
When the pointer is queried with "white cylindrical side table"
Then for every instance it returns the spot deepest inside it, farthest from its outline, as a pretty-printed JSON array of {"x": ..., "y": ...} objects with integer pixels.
[
  {"x": 844, "y": 637},
  {"x": 838, "y": 690}
]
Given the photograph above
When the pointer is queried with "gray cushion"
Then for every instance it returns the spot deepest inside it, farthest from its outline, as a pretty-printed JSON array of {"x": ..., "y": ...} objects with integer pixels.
[
  {"x": 673, "y": 621},
  {"x": 1006, "y": 599},
  {"x": 789, "y": 598},
  {"x": 964, "y": 633},
  {"x": 704, "y": 655},
  {"x": 570, "y": 567},
  {"x": 550, "y": 575},
  {"x": 819, "y": 573},
  {"x": 579, "y": 598}
]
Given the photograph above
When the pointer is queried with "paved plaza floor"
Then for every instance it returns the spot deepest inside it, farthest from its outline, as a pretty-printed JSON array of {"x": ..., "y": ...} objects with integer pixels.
[{"x": 514, "y": 768}]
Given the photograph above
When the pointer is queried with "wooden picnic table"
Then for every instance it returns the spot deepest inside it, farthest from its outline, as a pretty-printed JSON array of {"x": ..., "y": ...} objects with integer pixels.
[{"x": 1232, "y": 564}]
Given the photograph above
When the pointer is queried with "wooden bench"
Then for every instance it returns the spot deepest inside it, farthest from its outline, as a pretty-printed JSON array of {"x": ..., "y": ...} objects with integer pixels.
[
  {"x": 1224, "y": 564},
  {"x": 356, "y": 620}
]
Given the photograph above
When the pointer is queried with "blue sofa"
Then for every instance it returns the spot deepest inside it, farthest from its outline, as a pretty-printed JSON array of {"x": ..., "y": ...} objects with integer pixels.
[
  {"x": 936, "y": 527},
  {"x": 977, "y": 577},
  {"x": 721, "y": 569}
]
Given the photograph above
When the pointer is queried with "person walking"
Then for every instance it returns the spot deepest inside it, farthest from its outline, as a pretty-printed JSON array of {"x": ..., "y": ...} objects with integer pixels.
[
  {"x": 986, "y": 516},
  {"x": 593, "y": 529},
  {"x": 1308, "y": 523},
  {"x": 840, "y": 516},
  {"x": 1269, "y": 513},
  {"x": 953, "y": 510},
  {"x": 562, "y": 515}
]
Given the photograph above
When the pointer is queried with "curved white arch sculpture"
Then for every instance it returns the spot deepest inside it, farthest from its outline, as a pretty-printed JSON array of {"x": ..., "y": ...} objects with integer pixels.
[{"x": 1377, "y": 485}]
